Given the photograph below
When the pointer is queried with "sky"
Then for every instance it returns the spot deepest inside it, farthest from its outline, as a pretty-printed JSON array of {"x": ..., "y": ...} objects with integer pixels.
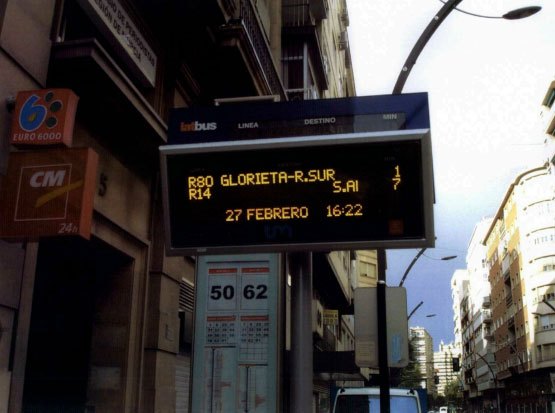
[{"x": 485, "y": 79}]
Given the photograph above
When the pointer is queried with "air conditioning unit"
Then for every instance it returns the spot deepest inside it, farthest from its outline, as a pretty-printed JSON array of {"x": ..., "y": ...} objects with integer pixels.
[{"x": 317, "y": 318}]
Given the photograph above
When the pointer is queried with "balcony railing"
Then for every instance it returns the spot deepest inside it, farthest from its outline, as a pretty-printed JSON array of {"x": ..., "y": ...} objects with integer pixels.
[
  {"x": 246, "y": 17},
  {"x": 297, "y": 13},
  {"x": 329, "y": 342},
  {"x": 509, "y": 300}
]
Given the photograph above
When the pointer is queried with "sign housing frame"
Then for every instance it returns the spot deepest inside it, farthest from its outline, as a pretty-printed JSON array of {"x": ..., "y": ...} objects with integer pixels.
[{"x": 422, "y": 135}]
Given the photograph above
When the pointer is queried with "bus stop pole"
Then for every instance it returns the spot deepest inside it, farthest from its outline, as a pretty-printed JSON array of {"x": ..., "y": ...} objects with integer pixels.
[
  {"x": 300, "y": 269},
  {"x": 382, "y": 333}
]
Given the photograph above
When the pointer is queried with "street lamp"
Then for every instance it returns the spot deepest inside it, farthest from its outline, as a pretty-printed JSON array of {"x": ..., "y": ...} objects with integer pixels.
[
  {"x": 414, "y": 309},
  {"x": 426, "y": 35},
  {"x": 420, "y": 253}
]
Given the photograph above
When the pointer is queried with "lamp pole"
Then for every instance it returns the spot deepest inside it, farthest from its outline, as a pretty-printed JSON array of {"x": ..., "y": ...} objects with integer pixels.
[{"x": 411, "y": 265}]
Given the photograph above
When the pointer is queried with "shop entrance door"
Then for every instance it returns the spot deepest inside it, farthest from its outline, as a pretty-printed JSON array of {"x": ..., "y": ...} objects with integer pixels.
[{"x": 72, "y": 277}]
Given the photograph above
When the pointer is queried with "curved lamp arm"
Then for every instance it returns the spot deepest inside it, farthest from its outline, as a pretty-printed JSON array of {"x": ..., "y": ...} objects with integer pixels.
[
  {"x": 411, "y": 264},
  {"x": 448, "y": 7},
  {"x": 426, "y": 35}
]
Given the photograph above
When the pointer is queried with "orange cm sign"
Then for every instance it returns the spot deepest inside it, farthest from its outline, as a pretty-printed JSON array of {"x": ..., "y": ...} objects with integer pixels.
[{"x": 48, "y": 193}]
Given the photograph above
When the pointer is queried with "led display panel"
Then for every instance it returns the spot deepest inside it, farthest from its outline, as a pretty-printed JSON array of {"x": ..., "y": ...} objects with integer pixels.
[{"x": 327, "y": 192}]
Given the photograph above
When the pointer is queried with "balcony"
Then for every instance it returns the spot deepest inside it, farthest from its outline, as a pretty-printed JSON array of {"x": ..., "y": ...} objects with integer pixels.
[
  {"x": 300, "y": 26},
  {"x": 319, "y": 8},
  {"x": 230, "y": 34},
  {"x": 329, "y": 342},
  {"x": 486, "y": 303},
  {"x": 244, "y": 35},
  {"x": 486, "y": 316},
  {"x": 295, "y": 13},
  {"x": 509, "y": 300},
  {"x": 488, "y": 333},
  {"x": 486, "y": 385},
  {"x": 86, "y": 67}
]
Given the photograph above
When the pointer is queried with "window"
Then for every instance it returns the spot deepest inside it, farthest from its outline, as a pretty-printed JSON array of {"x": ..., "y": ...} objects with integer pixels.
[
  {"x": 550, "y": 98},
  {"x": 546, "y": 352}
]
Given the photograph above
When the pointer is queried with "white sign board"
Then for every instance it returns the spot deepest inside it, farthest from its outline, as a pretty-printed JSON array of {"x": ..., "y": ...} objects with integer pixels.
[
  {"x": 236, "y": 334},
  {"x": 366, "y": 327},
  {"x": 120, "y": 30}
]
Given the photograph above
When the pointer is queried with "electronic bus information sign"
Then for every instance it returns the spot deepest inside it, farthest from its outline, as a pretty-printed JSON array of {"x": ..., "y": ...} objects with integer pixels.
[{"x": 328, "y": 192}]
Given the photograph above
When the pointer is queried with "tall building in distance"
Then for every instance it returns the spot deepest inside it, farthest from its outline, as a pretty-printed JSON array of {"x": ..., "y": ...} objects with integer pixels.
[
  {"x": 478, "y": 361},
  {"x": 547, "y": 116},
  {"x": 443, "y": 366},
  {"x": 459, "y": 290},
  {"x": 423, "y": 348}
]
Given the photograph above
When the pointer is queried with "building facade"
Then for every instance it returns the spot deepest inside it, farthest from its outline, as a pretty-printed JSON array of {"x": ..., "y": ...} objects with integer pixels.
[{"x": 105, "y": 324}]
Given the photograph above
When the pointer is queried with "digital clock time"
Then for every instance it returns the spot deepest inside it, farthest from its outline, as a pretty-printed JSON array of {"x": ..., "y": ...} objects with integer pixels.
[{"x": 347, "y": 210}]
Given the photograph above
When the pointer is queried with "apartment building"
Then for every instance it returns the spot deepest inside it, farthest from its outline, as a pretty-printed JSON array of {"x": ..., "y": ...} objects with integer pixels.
[
  {"x": 478, "y": 363},
  {"x": 506, "y": 324},
  {"x": 520, "y": 255},
  {"x": 443, "y": 366},
  {"x": 423, "y": 348},
  {"x": 103, "y": 321}
]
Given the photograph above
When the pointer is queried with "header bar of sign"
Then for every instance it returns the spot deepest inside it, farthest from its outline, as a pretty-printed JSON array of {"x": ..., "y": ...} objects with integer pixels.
[{"x": 253, "y": 120}]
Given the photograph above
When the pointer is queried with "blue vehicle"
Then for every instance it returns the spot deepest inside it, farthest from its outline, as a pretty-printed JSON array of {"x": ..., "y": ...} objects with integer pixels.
[{"x": 367, "y": 400}]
